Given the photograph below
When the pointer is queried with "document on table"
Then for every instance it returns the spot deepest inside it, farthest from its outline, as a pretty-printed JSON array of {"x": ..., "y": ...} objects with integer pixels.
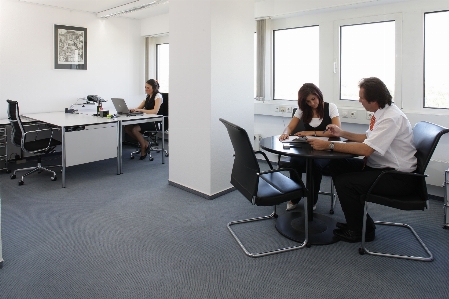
[{"x": 293, "y": 139}]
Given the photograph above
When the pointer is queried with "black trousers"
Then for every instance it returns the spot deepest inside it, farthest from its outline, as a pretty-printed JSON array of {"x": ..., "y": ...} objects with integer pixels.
[{"x": 352, "y": 180}]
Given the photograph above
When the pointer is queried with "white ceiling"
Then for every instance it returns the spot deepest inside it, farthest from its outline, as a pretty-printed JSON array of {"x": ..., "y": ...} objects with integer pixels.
[{"x": 108, "y": 6}]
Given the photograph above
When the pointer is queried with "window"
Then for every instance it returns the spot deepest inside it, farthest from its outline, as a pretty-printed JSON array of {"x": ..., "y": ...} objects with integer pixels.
[
  {"x": 296, "y": 60},
  {"x": 162, "y": 66},
  {"x": 436, "y": 60},
  {"x": 366, "y": 50}
]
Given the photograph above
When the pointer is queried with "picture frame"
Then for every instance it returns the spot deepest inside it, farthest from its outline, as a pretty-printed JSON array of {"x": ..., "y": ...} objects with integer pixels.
[{"x": 70, "y": 47}]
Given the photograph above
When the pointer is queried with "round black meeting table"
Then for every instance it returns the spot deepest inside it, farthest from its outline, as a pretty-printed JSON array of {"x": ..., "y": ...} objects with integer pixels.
[{"x": 291, "y": 224}]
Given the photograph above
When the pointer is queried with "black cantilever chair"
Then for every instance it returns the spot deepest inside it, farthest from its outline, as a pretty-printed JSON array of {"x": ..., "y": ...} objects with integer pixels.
[
  {"x": 24, "y": 139},
  {"x": 285, "y": 163},
  {"x": 268, "y": 188},
  {"x": 426, "y": 136}
]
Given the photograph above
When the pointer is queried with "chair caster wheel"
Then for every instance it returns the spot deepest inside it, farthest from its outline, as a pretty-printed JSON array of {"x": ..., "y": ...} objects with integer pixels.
[
  {"x": 361, "y": 251},
  {"x": 308, "y": 245},
  {"x": 21, "y": 183},
  {"x": 54, "y": 178},
  {"x": 166, "y": 154},
  {"x": 331, "y": 212},
  {"x": 13, "y": 176},
  {"x": 151, "y": 159},
  {"x": 132, "y": 157}
]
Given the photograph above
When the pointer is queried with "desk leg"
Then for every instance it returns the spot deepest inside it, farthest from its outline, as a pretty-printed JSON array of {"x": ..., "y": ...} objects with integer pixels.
[
  {"x": 119, "y": 147},
  {"x": 310, "y": 187},
  {"x": 63, "y": 156},
  {"x": 320, "y": 227}
]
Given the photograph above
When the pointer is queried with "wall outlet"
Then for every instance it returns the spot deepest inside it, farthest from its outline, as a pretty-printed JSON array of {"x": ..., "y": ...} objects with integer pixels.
[
  {"x": 276, "y": 109},
  {"x": 344, "y": 113},
  {"x": 369, "y": 115},
  {"x": 353, "y": 114},
  {"x": 289, "y": 109},
  {"x": 282, "y": 109}
]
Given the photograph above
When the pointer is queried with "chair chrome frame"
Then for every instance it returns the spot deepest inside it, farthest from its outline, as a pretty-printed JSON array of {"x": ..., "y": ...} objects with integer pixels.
[
  {"x": 39, "y": 168},
  {"x": 267, "y": 188},
  {"x": 274, "y": 251},
  {"x": 425, "y": 146}
]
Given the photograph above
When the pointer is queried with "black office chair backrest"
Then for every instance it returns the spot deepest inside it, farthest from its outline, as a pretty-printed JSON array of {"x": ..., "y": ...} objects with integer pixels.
[
  {"x": 300, "y": 127},
  {"x": 164, "y": 109},
  {"x": 17, "y": 129},
  {"x": 245, "y": 169},
  {"x": 426, "y": 137}
]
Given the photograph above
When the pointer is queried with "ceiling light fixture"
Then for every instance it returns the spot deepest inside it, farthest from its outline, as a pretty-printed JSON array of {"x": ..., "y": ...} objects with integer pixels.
[{"x": 112, "y": 13}]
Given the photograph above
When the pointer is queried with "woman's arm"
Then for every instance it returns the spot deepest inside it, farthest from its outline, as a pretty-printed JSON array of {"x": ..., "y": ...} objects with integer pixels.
[
  {"x": 155, "y": 110},
  {"x": 289, "y": 129},
  {"x": 139, "y": 108}
]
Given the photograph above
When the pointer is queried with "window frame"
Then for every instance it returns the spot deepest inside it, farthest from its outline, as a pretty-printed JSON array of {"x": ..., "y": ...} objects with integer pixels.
[
  {"x": 397, "y": 18},
  {"x": 157, "y": 63},
  {"x": 424, "y": 61},
  {"x": 274, "y": 60}
]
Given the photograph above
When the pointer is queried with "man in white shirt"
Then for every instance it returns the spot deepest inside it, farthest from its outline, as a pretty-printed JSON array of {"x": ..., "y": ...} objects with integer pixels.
[{"x": 386, "y": 145}]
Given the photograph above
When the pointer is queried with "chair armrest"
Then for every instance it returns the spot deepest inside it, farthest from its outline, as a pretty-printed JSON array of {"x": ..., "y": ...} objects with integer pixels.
[
  {"x": 291, "y": 170},
  {"x": 266, "y": 158},
  {"x": 385, "y": 175}
]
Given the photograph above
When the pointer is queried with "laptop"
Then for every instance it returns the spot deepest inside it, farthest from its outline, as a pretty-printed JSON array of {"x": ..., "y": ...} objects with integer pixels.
[{"x": 121, "y": 107}]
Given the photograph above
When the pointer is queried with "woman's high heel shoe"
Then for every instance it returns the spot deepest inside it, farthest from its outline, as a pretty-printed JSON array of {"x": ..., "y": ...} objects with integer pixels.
[{"x": 146, "y": 153}]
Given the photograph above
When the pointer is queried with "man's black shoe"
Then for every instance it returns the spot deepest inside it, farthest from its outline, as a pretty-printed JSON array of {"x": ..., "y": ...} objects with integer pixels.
[
  {"x": 351, "y": 236},
  {"x": 342, "y": 225}
]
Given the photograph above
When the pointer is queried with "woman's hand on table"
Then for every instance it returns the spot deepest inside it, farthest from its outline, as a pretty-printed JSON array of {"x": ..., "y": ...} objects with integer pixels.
[{"x": 283, "y": 137}]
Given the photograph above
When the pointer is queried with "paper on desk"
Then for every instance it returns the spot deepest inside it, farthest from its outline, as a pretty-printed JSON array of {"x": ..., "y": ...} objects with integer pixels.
[{"x": 294, "y": 139}]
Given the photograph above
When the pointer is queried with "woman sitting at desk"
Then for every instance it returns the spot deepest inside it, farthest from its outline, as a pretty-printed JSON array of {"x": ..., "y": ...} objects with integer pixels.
[
  {"x": 150, "y": 105},
  {"x": 316, "y": 115}
]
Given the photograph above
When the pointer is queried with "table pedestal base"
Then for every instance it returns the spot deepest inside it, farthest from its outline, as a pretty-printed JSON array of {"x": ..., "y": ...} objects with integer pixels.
[{"x": 291, "y": 226}]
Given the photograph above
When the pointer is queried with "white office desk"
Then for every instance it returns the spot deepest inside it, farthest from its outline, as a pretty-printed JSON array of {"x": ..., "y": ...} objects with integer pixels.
[
  {"x": 85, "y": 138},
  {"x": 130, "y": 120}
]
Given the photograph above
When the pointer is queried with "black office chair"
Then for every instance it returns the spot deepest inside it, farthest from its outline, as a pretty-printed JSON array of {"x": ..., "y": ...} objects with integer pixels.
[
  {"x": 268, "y": 188},
  {"x": 285, "y": 163},
  {"x": 24, "y": 139},
  {"x": 426, "y": 136},
  {"x": 153, "y": 135}
]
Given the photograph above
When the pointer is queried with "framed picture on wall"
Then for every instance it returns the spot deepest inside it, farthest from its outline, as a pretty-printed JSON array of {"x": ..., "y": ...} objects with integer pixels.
[{"x": 70, "y": 47}]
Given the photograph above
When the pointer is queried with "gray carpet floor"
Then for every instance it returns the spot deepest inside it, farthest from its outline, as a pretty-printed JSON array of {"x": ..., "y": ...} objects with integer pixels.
[{"x": 135, "y": 236}]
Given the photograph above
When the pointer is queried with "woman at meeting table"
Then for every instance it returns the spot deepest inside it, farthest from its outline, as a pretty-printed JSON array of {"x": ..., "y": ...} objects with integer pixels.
[
  {"x": 316, "y": 115},
  {"x": 150, "y": 105}
]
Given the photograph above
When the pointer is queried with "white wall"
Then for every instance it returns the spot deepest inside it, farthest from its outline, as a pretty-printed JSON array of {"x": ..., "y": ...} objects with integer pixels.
[{"x": 115, "y": 59}]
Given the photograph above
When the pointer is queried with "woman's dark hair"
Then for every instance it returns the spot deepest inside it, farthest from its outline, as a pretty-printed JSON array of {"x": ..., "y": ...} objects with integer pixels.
[
  {"x": 375, "y": 91},
  {"x": 307, "y": 112},
  {"x": 155, "y": 85}
]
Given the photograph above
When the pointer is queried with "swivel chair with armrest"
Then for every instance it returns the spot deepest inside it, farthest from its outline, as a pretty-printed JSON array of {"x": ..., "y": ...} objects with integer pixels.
[
  {"x": 426, "y": 137},
  {"x": 268, "y": 188},
  {"x": 287, "y": 164},
  {"x": 23, "y": 139},
  {"x": 153, "y": 135}
]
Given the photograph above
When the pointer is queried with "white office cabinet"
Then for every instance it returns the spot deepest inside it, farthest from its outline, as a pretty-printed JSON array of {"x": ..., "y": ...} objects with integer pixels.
[{"x": 91, "y": 143}]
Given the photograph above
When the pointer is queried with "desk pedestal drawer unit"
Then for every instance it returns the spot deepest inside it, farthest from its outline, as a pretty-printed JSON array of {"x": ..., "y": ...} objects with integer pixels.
[
  {"x": 85, "y": 144},
  {"x": 446, "y": 195},
  {"x": 3, "y": 149}
]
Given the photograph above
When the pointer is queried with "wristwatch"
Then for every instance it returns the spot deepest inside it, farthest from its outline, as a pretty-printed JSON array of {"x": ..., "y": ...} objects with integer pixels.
[{"x": 331, "y": 146}]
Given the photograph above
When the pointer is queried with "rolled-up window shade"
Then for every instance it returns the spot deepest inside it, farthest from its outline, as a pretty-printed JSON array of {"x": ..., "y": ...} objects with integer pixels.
[{"x": 260, "y": 67}]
